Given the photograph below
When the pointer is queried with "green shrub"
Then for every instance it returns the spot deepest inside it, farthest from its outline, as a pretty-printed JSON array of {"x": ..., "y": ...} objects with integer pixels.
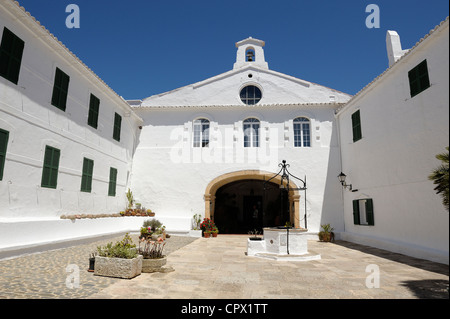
[{"x": 121, "y": 249}]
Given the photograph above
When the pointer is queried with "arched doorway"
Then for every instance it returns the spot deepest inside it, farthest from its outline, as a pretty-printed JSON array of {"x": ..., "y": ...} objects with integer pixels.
[
  {"x": 219, "y": 199},
  {"x": 246, "y": 205}
]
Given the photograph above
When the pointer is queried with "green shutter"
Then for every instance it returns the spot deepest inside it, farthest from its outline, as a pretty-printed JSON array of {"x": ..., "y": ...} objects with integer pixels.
[
  {"x": 356, "y": 219},
  {"x": 94, "y": 105},
  {"x": 112, "y": 182},
  {"x": 86, "y": 178},
  {"x": 4, "y": 135},
  {"x": 60, "y": 89},
  {"x": 117, "y": 127},
  {"x": 418, "y": 78},
  {"x": 50, "y": 169},
  {"x": 356, "y": 126},
  {"x": 369, "y": 212},
  {"x": 11, "y": 51}
]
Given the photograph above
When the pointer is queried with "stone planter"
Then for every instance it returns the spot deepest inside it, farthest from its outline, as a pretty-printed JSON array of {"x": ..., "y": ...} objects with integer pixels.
[
  {"x": 118, "y": 267},
  {"x": 153, "y": 265},
  {"x": 255, "y": 246}
]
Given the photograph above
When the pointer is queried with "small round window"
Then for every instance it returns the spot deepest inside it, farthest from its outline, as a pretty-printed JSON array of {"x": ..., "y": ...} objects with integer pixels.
[{"x": 250, "y": 95}]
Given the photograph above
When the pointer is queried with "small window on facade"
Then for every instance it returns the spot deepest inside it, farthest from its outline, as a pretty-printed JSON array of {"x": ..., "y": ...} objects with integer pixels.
[
  {"x": 4, "y": 135},
  {"x": 94, "y": 105},
  {"x": 117, "y": 127},
  {"x": 363, "y": 212},
  {"x": 201, "y": 133},
  {"x": 112, "y": 181},
  {"x": 86, "y": 178},
  {"x": 51, "y": 166},
  {"x": 302, "y": 135},
  {"x": 249, "y": 55},
  {"x": 60, "y": 89},
  {"x": 251, "y": 132},
  {"x": 356, "y": 126},
  {"x": 11, "y": 51},
  {"x": 418, "y": 78},
  {"x": 250, "y": 95}
]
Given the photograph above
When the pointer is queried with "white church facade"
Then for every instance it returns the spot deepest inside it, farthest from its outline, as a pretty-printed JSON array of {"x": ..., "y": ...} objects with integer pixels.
[{"x": 70, "y": 145}]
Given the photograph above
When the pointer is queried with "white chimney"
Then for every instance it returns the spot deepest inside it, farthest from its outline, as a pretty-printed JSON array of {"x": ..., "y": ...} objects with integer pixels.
[{"x": 394, "y": 47}]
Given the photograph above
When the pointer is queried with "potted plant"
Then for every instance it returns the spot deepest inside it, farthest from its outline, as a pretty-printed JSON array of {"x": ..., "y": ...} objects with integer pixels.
[
  {"x": 92, "y": 261},
  {"x": 254, "y": 234},
  {"x": 152, "y": 253},
  {"x": 255, "y": 244},
  {"x": 206, "y": 226},
  {"x": 196, "y": 231},
  {"x": 155, "y": 228},
  {"x": 207, "y": 233},
  {"x": 326, "y": 234},
  {"x": 145, "y": 233},
  {"x": 119, "y": 260},
  {"x": 130, "y": 198},
  {"x": 214, "y": 231}
]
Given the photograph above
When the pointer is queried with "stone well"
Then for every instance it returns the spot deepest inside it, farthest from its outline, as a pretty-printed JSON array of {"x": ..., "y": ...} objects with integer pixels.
[{"x": 281, "y": 243}]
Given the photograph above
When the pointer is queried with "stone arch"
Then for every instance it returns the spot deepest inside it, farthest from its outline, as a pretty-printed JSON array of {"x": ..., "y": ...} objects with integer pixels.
[{"x": 216, "y": 183}]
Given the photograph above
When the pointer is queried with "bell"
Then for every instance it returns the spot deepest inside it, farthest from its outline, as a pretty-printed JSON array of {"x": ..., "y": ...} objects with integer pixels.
[{"x": 250, "y": 56}]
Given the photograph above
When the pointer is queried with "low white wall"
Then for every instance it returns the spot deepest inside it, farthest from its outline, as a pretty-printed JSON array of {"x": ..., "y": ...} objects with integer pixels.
[{"x": 19, "y": 234}]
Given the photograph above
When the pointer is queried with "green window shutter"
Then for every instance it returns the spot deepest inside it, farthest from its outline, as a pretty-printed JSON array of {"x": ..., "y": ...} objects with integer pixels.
[
  {"x": 86, "y": 178},
  {"x": 369, "y": 212},
  {"x": 117, "y": 127},
  {"x": 51, "y": 166},
  {"x": 356, "y": 219},
  {"x": 4, "y": 135},
  {"x": 11, "y": 51},
  {"x": 60, "y": 89},
  {"x": 94, "y": 105},
  {"x": 356, "y": 126},
  {"x": 418, "y": 78},
  {"x": 112, "y": 181}
]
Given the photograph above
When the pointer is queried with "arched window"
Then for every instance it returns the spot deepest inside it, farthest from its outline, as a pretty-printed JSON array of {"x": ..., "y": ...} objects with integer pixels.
[
  {"x": 302, "y": 135},
  {"x": 201, "y": 133},
  {"x": 250, "y": 95},
  {"x": 251, "y": 132}
]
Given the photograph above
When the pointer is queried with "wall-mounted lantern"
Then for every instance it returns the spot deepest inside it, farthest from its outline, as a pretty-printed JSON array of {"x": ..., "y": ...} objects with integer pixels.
[{"x": 342, "y": 178}]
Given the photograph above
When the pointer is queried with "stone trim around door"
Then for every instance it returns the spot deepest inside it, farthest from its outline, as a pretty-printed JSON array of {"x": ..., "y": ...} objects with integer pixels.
[{"x": 216, "y": 183}]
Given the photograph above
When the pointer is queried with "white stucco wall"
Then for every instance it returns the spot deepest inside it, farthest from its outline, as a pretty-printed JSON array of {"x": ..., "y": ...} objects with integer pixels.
[
  {"x": 390, "y": 164},
  {"x": 32, "y": 122},
  {"x": 170, "y": 176}
]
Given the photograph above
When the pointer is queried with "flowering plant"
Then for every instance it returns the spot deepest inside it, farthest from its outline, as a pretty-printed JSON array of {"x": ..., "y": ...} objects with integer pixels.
[
  {"x": 152, "y": 249},
  {"x": 207, "y": 225}
]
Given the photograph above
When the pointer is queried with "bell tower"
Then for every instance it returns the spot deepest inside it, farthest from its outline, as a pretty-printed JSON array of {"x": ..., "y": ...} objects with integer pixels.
[{"x": 250, "y": 52}]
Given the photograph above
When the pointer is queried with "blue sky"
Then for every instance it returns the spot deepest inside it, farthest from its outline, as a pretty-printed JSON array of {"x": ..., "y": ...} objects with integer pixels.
[{"x": 146, "y": 47}]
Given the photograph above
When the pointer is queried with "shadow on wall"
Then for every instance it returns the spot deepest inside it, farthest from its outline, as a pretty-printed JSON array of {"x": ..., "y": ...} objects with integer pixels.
[{"x": 332, "y": 205}]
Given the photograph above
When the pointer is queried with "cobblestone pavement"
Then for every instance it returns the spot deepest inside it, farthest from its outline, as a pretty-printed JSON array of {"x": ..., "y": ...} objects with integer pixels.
[
  {"x": 217, "y": 268},
  {"x": 43, "y": 275}
]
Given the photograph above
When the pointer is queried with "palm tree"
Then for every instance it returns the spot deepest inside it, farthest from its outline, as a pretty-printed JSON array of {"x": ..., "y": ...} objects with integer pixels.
[{"x": 439, "y": 176}]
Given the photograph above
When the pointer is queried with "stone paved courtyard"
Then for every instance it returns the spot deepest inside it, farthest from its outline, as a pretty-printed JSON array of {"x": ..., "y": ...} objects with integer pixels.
[{"x": 217, "y": 268}]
